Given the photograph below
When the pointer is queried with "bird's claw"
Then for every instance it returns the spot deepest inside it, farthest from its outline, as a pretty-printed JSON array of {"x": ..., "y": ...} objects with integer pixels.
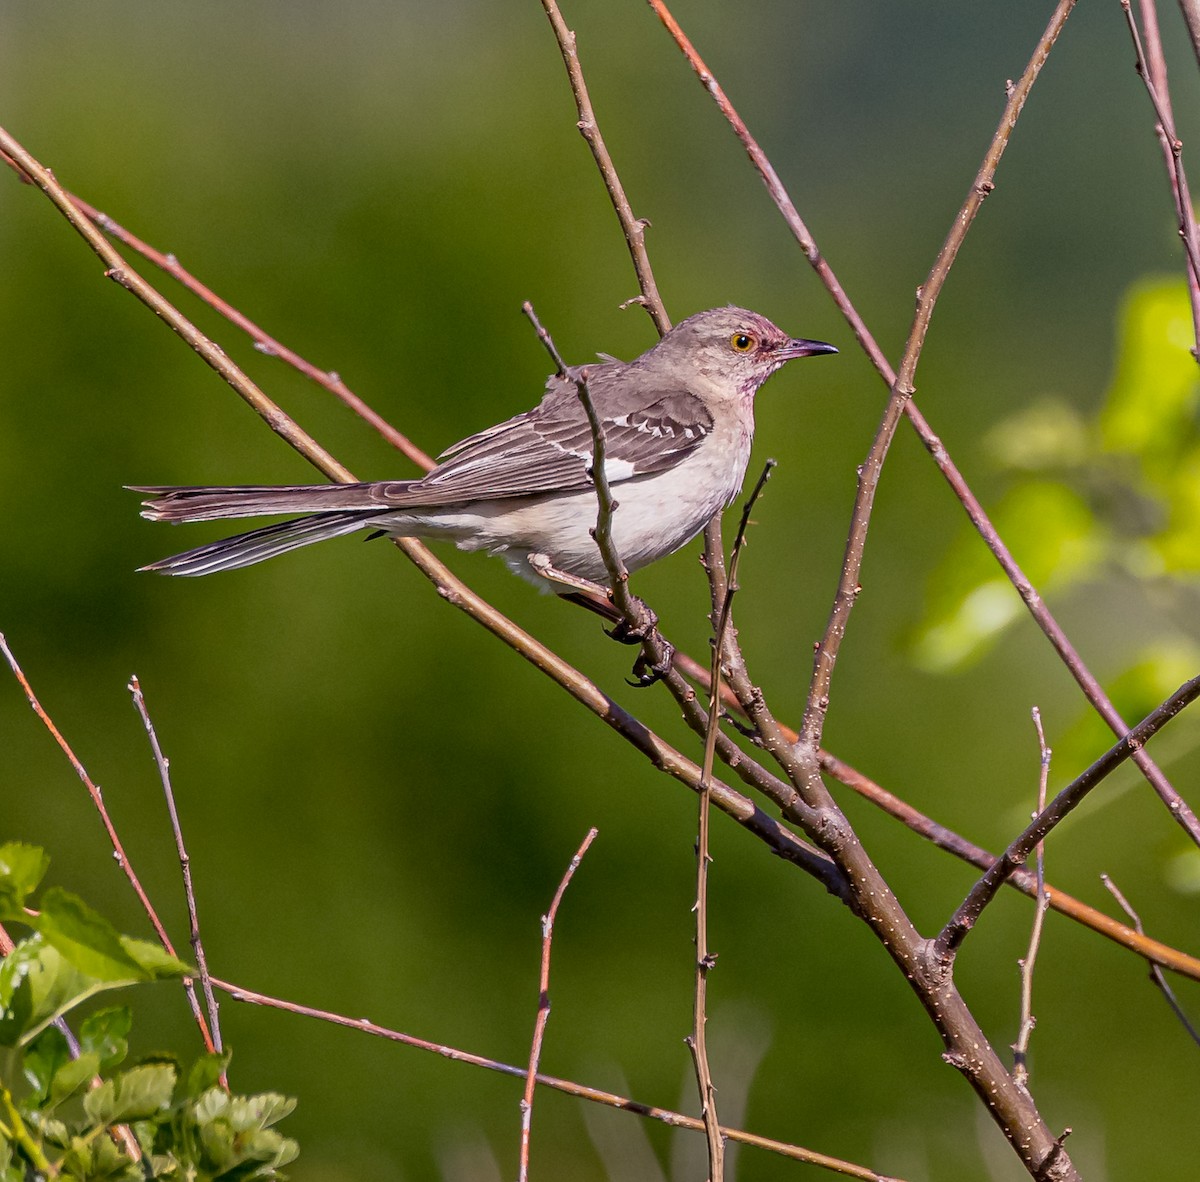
[
  {"x": 634, "y": 632},
  {"x": 647, "y": 672}
]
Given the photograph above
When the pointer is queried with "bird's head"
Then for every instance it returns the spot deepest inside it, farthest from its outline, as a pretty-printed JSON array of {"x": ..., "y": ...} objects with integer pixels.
[{"x": 732, "y": 350}]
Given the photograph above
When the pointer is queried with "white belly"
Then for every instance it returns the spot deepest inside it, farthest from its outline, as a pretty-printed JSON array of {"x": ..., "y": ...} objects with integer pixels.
[{"x": 655, "y": 515}]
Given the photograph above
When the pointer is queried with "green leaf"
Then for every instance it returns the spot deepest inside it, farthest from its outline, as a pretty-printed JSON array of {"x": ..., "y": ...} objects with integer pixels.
[
  {"x": 154, "y": 960},
  {"x": 71, "y": 1076},
  {"x": 36, "y": 985},
  {"x": 106, "y": 1033},
  {"x": 259, "y": 1112},
  {"x": 136, "y": 1094},
  {"x": 22, "y": 867},
  {"x": 205, "y": 1073},
  {"x": 1150, "y": 408},
  {"x": 43, "y": 1057},
  {"x": 86, "y": 938}
]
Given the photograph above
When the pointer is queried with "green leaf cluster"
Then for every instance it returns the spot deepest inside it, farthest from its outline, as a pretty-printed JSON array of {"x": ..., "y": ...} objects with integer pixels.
[
  {"x": 1116, "y": 491},
  {"x": 72, "y": 1113}
]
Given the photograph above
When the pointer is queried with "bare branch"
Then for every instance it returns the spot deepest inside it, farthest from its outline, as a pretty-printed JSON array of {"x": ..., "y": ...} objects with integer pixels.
[
  {"x": 1155, "y": 973},
  {"x": 122, "y": 859},
  {"x": 1021, "y": 879},
  {"x": 543, "y": 1012},
  {"x": 185, "y": 864},
  {"x": 595, "y": 1095},
  {"x": 1151, "y": 64},
  {"x": 1028, "y": 1021},
  {"x": 634, "y": 228}
]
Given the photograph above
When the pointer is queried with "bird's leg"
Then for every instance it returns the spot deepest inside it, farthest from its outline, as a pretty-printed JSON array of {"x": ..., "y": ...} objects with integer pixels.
[
  {"x": 545, "y": 569},
  {"x": 643, "y": 629}
]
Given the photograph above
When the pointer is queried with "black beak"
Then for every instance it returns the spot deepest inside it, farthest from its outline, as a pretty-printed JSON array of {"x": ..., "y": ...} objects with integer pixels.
[{"x": 802, "y": 348}]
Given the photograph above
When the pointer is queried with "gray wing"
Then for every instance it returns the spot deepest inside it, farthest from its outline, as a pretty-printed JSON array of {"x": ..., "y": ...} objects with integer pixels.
[{"x": 549, "y": 449}]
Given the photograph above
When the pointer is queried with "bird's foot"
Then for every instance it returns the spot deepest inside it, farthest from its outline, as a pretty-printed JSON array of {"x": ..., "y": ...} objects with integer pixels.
[
  {"x": 646, "y": 670},
  {"x": 641, "y": 627}
]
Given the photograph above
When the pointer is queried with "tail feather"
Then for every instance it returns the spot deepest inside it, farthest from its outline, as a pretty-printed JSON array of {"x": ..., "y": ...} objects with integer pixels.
[
  {"x": 201, "y": 503},
  {"x": 259, "y": 544}
]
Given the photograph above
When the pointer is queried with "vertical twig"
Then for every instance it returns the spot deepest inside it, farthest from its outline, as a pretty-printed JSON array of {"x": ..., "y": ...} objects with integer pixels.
[
  {"x": 606, "y": 503},
  {"x": 1156, "y": 974},
  {"x": 1028, "y": 1021},
  {"x": 1151, "y": 65},
  {"x": 634, "y": 228},
  {"x": 543, "y": 1013},
  {"x": 706, "y": 960},
  {"x": 185, "y": 863},
  {"x": 1191, "y": 17}
]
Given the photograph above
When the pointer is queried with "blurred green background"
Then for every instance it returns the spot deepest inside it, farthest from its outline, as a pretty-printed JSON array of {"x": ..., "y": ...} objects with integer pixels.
[{"x": 379, "y": 798}]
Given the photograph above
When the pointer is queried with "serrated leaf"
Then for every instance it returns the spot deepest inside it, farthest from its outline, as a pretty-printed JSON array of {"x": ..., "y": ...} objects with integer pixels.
[
  {"x": 136, "y": 1094},
  {"x": 105, "y": 1032},
  {"x": 86, "y": 938},
  {"x": 22, "y": 867},
  {"x": 259, "y": 1112},
  {"x": 43, "y": 1057}
]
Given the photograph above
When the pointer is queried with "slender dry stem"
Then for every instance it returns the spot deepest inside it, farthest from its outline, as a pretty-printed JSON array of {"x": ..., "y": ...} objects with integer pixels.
[
  {"x": 1028, "y": 963},
  {"x": 1156, "y": 974},
  {"x": 580, "y": 1091},
  {"x": 122, "y": 859},
  {"x": 543, "y": 1010},
  {"x": 634, "y": 228},
  {"x": 1151, "y": 65},
  {"x": 185, "y": 863}
]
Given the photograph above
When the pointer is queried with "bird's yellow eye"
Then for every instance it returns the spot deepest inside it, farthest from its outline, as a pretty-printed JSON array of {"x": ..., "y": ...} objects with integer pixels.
[{"x": 742, "y": 342}]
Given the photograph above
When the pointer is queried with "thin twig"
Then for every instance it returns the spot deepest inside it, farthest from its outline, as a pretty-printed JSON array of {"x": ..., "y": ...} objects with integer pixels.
[
  {"x": 1191, "y": 17},
  {"x": 643, "y": 623},
  {"x": 606, "y": 504},
  {"x": 634, "y": 228},
  {"x": 902, "y": 387},
  {"x": 984, "y": 891},
  {"x": 1155, "y": 973},
  {"x": 1151, "y": 65},
  {"x": 580, "y": 1091},
  {"x": 706, "y": 960},
  {"x": 185, "y": 863},
  {"x": 543, "y": 1012},
  {"x": 1028, "y": 1021}
]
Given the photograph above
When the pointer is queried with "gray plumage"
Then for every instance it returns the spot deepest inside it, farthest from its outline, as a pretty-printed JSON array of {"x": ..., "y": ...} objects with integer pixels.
[{"x": 677, "y": 424}]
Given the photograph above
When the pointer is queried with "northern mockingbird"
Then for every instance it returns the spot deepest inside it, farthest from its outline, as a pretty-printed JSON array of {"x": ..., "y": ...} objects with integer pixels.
[{"x": 677, "y": 423}]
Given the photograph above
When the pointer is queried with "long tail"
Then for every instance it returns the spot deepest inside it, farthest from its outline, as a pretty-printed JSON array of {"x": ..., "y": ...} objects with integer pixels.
[
  {"x": 213, "y": 502},
  {"x": 330, "y": 511}
]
